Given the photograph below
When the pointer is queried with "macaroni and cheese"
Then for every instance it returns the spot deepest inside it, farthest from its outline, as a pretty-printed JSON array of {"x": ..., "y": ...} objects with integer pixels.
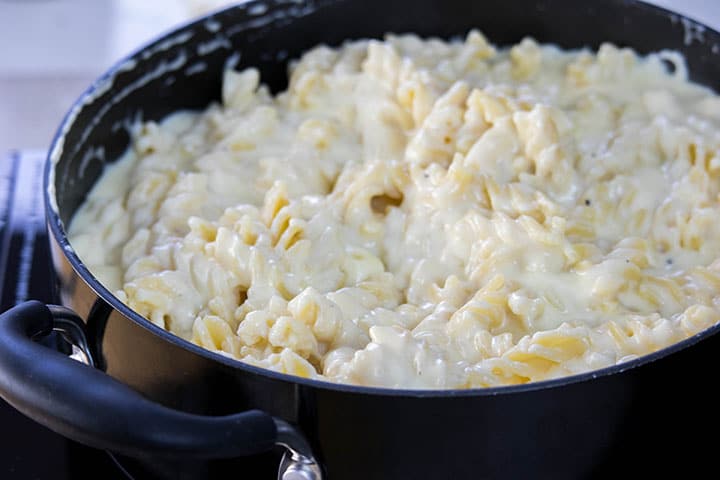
[{"x": 418, "y": 213}]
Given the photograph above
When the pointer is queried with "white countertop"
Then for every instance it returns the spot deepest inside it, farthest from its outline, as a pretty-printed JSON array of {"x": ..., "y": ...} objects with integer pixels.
[{"x": 50, "y": 50}]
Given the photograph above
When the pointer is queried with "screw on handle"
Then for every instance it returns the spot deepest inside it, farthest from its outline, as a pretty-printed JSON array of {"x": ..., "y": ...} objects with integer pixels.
[{"x": 85, "y": 404}]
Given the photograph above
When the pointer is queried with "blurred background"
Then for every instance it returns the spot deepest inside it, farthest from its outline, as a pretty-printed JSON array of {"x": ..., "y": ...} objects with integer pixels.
[{"x": 50, "y": 50}]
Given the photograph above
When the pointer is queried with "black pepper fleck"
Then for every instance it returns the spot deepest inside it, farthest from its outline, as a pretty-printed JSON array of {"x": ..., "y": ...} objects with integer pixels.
[
  {"x": 587, "y": 202},
  {"x": 669, "y": 261}
]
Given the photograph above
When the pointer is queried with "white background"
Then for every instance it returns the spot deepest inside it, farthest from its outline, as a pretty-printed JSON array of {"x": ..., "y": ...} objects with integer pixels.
[{"x": 50, "y": 50}]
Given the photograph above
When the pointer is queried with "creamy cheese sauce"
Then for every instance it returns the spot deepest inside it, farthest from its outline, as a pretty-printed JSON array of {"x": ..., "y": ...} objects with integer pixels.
[{"x": 424, "y": 214}]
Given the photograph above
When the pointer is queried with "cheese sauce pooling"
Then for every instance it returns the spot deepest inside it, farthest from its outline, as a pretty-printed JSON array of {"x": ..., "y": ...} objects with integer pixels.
[{"x": 423, "y": 214}]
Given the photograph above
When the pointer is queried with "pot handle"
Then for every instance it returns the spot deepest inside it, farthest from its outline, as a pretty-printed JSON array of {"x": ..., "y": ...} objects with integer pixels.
[{"x": 88, "y": 406}]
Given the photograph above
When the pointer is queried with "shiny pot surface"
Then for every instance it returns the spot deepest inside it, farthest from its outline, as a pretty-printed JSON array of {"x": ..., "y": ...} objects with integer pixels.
[{"x": 643, "y": 417}]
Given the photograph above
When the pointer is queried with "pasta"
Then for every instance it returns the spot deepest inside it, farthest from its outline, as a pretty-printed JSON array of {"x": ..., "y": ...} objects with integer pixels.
[{"x": 416, "y": 213}]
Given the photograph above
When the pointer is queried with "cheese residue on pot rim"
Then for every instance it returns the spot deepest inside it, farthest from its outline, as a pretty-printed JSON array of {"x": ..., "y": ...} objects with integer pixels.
[{"x": 417, "y": 213}]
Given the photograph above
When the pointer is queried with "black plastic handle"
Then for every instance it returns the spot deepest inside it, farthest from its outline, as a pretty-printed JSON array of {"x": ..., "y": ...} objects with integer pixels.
[{"x": 88, "y": 406}]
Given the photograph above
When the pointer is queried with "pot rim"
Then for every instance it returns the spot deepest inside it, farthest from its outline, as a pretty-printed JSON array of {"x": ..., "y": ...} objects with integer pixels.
[{"x": 57, "y": 228}]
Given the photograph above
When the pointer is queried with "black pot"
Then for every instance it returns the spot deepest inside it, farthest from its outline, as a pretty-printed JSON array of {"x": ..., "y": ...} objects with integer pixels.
[{"x": 171, "y": 403}]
